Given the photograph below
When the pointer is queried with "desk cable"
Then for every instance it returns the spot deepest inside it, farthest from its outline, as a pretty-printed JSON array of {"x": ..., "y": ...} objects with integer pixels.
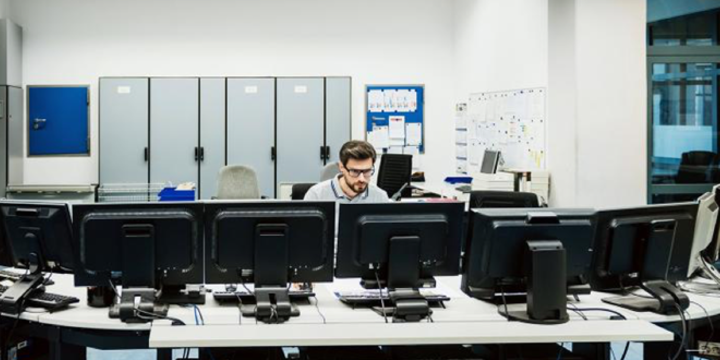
[
  {"x": 382, "y": 302},
  {"x": 580, "y": 311}
]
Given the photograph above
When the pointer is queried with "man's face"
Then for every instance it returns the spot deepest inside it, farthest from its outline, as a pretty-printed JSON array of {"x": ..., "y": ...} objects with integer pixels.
[{"x": 357, "y": 174}]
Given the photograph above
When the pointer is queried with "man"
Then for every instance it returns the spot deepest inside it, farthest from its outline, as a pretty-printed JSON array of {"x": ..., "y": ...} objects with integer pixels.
[{"x": 352, "y": 185}]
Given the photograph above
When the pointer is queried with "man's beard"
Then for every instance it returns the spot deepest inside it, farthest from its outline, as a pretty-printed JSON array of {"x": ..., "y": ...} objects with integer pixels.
[{"x": 357, "y": 187}]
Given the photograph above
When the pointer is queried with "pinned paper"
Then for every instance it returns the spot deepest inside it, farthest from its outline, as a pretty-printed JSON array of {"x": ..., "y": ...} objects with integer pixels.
[
  {"x": 397, "y": 127},
  {"x": 413, "y": 134},
  {"x": 379, "y": 137}
]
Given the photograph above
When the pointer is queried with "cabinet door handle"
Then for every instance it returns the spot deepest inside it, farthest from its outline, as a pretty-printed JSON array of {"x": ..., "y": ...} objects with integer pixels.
[
  {"x": 273, "y": 153},
  {"x": 147, "y": 154},
  {"x": 202, "y": 153},
  {"x": 196, "y": 153}
]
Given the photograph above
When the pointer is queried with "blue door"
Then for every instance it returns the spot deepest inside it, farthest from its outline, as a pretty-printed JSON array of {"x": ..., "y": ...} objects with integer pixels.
[{"x": 58, "y": 120}]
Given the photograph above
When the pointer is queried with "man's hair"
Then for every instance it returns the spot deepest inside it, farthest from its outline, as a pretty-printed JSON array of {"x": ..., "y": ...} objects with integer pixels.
[{"x": 358, "y": 150}]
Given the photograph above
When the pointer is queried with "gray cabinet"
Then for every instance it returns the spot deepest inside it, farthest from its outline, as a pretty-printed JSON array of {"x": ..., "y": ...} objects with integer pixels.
[
  {"x": 13, "y": 112},
  {"x": 174, "y": 119},
  {"x": 251, "y": 128},
  {"x": 301, "y": 133},
  {"x": 212, "y": 134},
  {"x": 337, "y": 112},
  {"x": 175, "y": 130},
  {"x": 123, "y": 128}
]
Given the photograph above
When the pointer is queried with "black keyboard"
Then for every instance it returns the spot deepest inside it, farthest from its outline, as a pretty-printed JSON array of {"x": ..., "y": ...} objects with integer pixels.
[
  {"x": 46, "y": 300},
  {"x": 232, "y": 296},
  {"x": 14, "y": 276},
  {"x": 372, "y": 298}
]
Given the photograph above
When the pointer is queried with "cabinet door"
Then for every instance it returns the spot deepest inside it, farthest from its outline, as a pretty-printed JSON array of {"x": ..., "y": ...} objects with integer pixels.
[
  {"x": 3, "y": 137},
  {"x": 337, "y": 118},
  {"x": 212, "y": 134},
  {"x": 58, "y": 120},
  {"x": 16, "y": 147},
  {"x": 251, "y": 128},
  {"x": 174, "y": 126},
  {"x": 123, "y": 128},
  {"x": 300, "y": 129}
]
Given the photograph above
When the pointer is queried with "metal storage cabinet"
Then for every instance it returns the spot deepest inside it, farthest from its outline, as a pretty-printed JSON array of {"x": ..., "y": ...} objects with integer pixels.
[
  {"x": 15, "y": 129},
  {"x": 4, "y": 125},
  {"x": 300, "y": 129},
  {"x": 337, "y": 115},
  {"x": 123, "y": 126},
  {"x": 251, "y": 128},
  {"x": 212, "y": 134},
  {"x": 174, "y": 126}
]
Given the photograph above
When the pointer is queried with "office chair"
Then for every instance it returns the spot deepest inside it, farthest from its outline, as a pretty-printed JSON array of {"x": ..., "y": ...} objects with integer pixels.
[
  {"x": 299, "y": 190},
  {"x": 237, "y": 182},
  {"x": 329, "y": 171},
  {"x": 395, "y": 172},
  {"x": 697, "y": 167},
  {"x": 503, "y": 199}
]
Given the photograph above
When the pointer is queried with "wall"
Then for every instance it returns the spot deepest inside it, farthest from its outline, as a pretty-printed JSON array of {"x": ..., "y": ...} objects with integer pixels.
[{"x": 76, "y": 42}]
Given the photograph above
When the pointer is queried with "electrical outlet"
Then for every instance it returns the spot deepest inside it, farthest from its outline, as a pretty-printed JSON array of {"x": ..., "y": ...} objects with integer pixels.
[{"x": 709, "y": 348}]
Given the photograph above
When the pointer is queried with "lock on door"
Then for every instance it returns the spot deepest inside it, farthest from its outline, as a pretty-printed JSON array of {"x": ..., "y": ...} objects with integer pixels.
[{"x": 39, "y": 124}]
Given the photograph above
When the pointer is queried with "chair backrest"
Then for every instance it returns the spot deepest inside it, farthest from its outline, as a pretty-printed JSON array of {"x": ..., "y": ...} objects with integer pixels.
[
  {"x": 299, "y": 190},
  {"x": 395, "y": 171},
  {"x": 329, "y": 171},
  {"x": 503, "y": 199},
  {"x": 697, "y": 167},
  {"x": 237, "y": 182}
]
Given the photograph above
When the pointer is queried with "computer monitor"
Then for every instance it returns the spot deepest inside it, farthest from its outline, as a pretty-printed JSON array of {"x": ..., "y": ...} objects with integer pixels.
[
  {"x": 541, "y": 253},
  {"x": 144, "y": 247},
  {"x": 647, "y": 246},
  {"x": 270, "y": 244},
  {"x": 36, "y": 236},
  {"x": 491, "y": 160},
  {"x": 711, "y": 254},
  {"x": 400, "y": 246},
  {"x": 704, "y": 228}
]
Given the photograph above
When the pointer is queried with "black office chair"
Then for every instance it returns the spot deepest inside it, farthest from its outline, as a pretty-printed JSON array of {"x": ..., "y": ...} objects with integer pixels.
[
  {"x": 299, "y": 190},
  {"x": 697, "y": 167},
  {"x": 395, "y": 172},
  {"x": 503, "y": 199}
]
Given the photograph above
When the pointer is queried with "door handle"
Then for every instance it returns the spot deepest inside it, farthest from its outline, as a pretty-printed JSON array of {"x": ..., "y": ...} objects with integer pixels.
[
  {"x": 327, "y": 153},
  {"x": 202, "y": 153},
  {"x": 39, "y": 123},
  {"x": 273, "y": 153},
  {"x": 196, "y": 153},
  {"x": 322, "y": 152},
  {"x": 147, "y": 154}
]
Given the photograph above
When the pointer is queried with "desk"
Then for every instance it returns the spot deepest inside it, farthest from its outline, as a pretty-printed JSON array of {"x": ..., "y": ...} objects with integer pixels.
[{"x": 325, "y": 321}]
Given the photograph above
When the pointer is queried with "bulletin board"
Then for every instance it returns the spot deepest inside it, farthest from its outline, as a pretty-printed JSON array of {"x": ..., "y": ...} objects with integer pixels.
[
  {"x": 510, "y": 121},
  {"x": 394, "y": 118}
]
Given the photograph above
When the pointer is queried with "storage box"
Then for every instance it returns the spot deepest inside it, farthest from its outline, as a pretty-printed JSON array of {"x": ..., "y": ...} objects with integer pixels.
[{"x": 171, "y": 194}]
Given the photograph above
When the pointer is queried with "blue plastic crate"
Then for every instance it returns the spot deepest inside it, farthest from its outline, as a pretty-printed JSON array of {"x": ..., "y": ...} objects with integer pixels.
[
  {"x": 459, "y": 179},
  {"x": 171, "y": 194}
]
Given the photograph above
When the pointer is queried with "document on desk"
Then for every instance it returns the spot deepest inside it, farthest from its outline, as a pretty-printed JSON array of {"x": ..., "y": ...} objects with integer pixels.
[{"x": 397, "y": 127}]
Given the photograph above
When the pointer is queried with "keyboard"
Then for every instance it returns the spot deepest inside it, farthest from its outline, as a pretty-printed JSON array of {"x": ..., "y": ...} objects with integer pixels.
[
  {"x": 372, "y": 297},
  {"x": 232, "y": 296},
  {"x": 14, "y": 276},
  {"x": 46, "y": 300}
]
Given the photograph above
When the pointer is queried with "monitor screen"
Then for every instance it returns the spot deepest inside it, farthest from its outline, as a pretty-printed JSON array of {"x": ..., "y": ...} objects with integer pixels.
[
  {"x": 43, "y": 229},
  {"x": 650, "y": 242},
  {"x": 279, "y": 241},
  {"x": 139, "y": 244},
  {"x": 495, "y": 254},
  {"x": 368, "y": 231},
  {"x": 491, "y": 158}
]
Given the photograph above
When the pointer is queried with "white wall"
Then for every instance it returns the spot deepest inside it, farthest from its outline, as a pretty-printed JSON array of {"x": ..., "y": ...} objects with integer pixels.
[{"x": 78, "y": 41}]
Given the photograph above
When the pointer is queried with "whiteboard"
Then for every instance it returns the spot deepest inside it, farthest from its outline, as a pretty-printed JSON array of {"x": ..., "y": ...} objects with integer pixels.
[{"x": 510, "y": 121}]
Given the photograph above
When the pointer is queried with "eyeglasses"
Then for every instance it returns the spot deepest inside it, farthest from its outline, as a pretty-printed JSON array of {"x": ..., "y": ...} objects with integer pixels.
[{"x": 365, "y": 172}]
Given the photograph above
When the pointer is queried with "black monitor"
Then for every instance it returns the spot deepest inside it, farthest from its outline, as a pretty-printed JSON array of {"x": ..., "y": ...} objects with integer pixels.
[
  {"x": 647, "y": 246},
  {"x": 491, "y": 160},
  {"x": 400, "y": 246},
  {"x": 144, "y": 247},
  {"x": 270, "y": 244},
  {"x": 541, "y": 253},
  {"x": 36, "y": 236}
]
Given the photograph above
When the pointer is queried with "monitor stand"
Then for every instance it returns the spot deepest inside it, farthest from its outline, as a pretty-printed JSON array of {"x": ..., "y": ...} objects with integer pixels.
[
  {"x": 12, "y": 300},
  {"x": 272, "y": 305},
  {"x": 664, "y": 298},
  {"x": 546, "y": 295},
  {"x": 138, "y": 305},
  {"x": 185, "y": 294}
]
